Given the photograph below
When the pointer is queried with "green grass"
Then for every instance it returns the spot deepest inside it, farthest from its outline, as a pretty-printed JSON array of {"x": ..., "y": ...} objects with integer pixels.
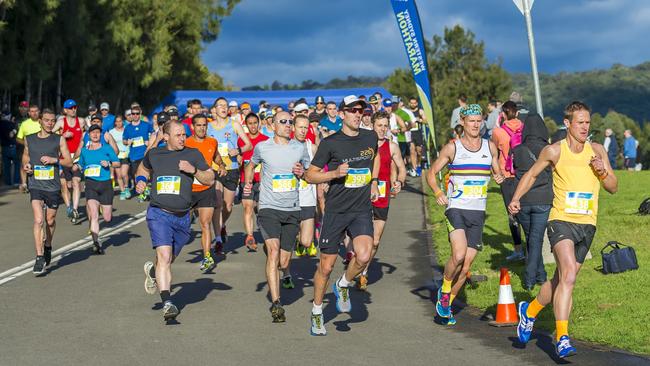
[{"x": 607, "y": 309}]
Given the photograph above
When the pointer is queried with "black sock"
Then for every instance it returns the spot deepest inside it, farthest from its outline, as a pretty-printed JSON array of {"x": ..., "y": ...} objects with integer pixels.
[
  {"x": 48, "y": 249},
  {"x": 165, "y": 296}
]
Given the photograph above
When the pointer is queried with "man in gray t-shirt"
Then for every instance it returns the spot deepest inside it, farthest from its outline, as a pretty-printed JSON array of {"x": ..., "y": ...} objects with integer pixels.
[{"x": 283, "y": 163}]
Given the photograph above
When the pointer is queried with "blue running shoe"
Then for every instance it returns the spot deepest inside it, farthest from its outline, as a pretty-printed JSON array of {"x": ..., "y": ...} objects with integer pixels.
[
  {"x": 442, "y": 305},
  {"x": 525, "y": 327},
  {"x": 563, "y": 348},
  {"x": 343, "y": 303},
  {"x": 451, "y": 321}
]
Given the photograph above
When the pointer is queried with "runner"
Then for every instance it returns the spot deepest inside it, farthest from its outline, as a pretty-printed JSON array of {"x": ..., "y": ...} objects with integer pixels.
[
  {"x": 470, "y": 160},
  {"x": 95, "y": 161},
  {"x": 108, "y": 119},
  {"x": 307, "y": 193},
  {"x": 283, "y": 161},
  {"x": 40, "y": 161},
  {"x": 171, "y": 169},
  {"x": 136, "y": 136},
  {"x": 352, "y": 159},
  {"x": 226, "y": 131},
  {"x": 331, "y": 122},
  {"x": 121, "y": 173},
  {"x": 579, "y": 167},
  {"x": 389, "y": 155},
  {"x": 70, "y": 127},
  {"x": 204, "y": 198},
  {"x": 249, "y": 202},
  {"x": 417, "y": 139},
  {"x": 25, "y": 128}
]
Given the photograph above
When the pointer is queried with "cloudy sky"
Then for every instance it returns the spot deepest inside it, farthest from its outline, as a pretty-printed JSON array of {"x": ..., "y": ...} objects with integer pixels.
[{"x": 296, "y": 40}]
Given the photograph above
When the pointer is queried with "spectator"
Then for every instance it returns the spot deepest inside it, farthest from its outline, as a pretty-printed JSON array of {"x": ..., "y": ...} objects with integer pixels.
[
  {"x": 455, "y": 114},
  {"x": 536, "y": 204},
  {"x": 629, "y": 150},
  {"x": 11, "y": 162},
  {"x": 108, "y": 119},
  {"x": 611, "y": 146},
  {"x": 522, "y": 111},
  {"x": 493, "y": 117}
]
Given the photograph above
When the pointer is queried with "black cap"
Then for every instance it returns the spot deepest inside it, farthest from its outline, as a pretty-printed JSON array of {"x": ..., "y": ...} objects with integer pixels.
[
  {"x": 314, "y": 117},
  {"x": 96, "y": 116},
  {"x": 319, "y": 99},
  {"x": 163, "y": 117},
  {"x": 94, "y": 127}
]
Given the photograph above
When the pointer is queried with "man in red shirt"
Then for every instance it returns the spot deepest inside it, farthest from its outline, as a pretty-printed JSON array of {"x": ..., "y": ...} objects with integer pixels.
[
  {"x": 71, "y": 128},
  {"x": 252, "y": 122},
  {"x": 194, "y": 107}
]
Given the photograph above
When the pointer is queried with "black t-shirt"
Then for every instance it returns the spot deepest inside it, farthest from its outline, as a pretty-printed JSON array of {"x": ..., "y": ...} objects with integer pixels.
[
  {"x": 8, "y": 131},
  {"x": 171, "y": 189},
  {"x": 352, "y": 192}
]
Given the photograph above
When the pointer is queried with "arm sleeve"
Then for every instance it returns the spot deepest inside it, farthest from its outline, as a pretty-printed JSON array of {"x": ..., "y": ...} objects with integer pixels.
[
  {"x": 257, "y": 155},
  {"x": 322, "y": 156},
  {"x": 145, "y": 161}
]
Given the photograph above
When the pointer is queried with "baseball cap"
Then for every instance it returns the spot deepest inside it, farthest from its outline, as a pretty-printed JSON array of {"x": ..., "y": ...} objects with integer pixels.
[
  {"x": 24, "y": 104},
  {"x": 268, "y": 114},
  {"x": 314, "y": 117},
  {"x": 367, "y": 112},
  {"x": 233, "y": 104},
  {"x": 319, "y": 99},
  {"x": 352, "y": 100},
  {"x": 127, "y": 112},
  {"x": 92, "y": 107},
  {"x": 245, "y": 105},
  {"x": 96, "y": 116},
  {"x": 135, "y": 105},
  {"x": 163, "y": 117},
  {"x": 69, "y": 104},
  {"x": 104, "y": 106},
  {"x": 173, "y": 112},
  {"x": 94, "y": 127},
  {"x": 300, "y": 107},
  {"x": 387, "y": 103},
  {"x": 373, "y": 99}
]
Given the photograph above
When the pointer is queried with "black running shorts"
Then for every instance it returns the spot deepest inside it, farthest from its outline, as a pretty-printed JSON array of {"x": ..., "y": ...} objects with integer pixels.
[
  {"x": 336, "y": 225},
  {"x": 580, "y": 234},
  {"x": 282, "y": 225},
  {"x": 471, "y": 221},
  {"x": 101, "y": 191}
]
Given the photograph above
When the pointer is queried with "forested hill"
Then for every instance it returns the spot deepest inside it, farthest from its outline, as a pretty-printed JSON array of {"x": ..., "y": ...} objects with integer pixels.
[{"x": 623, "y": 89}]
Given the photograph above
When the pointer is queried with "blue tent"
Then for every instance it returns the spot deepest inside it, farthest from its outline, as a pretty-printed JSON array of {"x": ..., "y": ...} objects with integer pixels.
[{"x": 278, "y": 97}]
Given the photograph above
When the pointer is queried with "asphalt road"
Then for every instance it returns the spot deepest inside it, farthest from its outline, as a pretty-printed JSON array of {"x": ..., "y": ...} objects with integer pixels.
[{"x": 93, "y": 310}]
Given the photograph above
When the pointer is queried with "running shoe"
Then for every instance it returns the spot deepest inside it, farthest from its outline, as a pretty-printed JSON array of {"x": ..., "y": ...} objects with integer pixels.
[
  {"x": 418, "y": 170},
  {"x": 170, "y": 311},
  {"x": 525, "y": 327},
  {"x": 318, "y": 325},
  {"x": 277, "y": 313},
  {"x": 47, "y": 254},
  {"x": 207, "y": 263},
  {"x": 451, "y": 321},
  {"x": 250, "y": 242},
  {"x": 563, "y": 348},
  {"x": 68, "y": 211},
  {"x": 362, "y": 283},
  {"x": 442, "y": 305},
  {"x": 300, "y": 249},
  {"x": 39, "y": 265},
  {"x": 312, "y": 251},
  {"x": 75, "y": 217},
  {"x": 218, "y": 247},
  {"x": 412, "y": 173},
  {"x": 287, "y": 282},
  {"x": 127, "y": 194},
  {"x": 516, "y": 256},
  {"x": 123, "y": 196},
  {"x": 141, "y": 198},
  {"x": 343, "y": 303},
  {"x": 149, "y": 278},
  {"x": 224, "y": 234},
  {"x": 97, "y": 248}
]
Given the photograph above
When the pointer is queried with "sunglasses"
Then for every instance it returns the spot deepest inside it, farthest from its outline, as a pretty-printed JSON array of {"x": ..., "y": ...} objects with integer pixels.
[
  {"x": 320, "y": 103},
  {"x": 286, "y": 122},
  {"x": 355, "y": 110},
  {"x": 138, "y": 113}
]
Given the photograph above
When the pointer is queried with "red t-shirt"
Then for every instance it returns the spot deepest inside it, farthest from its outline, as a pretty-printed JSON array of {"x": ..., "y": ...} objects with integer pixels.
[
  {"x": 246, "y": 156},
  {"x": 188, "y": 123},
  {"x": 311, "y": 136},
  {"x": 74, "y": 141}
]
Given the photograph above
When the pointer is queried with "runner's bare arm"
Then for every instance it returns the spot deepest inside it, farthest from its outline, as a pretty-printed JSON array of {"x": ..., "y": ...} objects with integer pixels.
[
  {"x": 496, "y": 169},
  {"x": 316, "y": 175},
  {"x": 27, "y": 167},
  {"x": 396, "y": 155},
  {"x": 58, "y": 126},
  {"x": 242, "y": 135},
  {"x": 249, "y": 172},
  {"x": 206, "y": 177},
  {"x": 549, "y": 156},
  {"x": 600, "y": 164},
  {"x": 445, "y": 157},
  {"x": 401, "y": 124},
  {"x": 111, "y": 141},
  {"x": 66, "y": 159}
]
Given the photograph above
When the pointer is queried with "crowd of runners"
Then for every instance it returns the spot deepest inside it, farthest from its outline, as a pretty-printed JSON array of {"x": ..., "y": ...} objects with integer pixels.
[{"x": 319, "y": 178}]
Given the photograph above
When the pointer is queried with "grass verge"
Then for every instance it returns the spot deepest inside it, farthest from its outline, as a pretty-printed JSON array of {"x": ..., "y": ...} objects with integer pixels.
[{"x": 607, "y": 309}]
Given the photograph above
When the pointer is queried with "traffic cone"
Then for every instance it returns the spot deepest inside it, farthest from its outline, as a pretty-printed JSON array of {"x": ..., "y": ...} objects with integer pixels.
[{"x": 506, "y": 309}]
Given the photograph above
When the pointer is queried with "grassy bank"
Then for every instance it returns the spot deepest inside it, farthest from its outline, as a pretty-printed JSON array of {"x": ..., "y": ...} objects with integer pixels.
[{"x": 607, "y": 309}]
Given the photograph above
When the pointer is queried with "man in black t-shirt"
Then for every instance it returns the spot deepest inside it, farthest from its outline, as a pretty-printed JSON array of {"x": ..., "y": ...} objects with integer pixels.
[
  {"x": 171, "y": 170},
  {"x": 353, "y": 166}
]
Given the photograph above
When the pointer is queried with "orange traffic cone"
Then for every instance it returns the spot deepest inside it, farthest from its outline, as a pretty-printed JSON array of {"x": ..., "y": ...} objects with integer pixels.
[{"x": 506, "y": 309}]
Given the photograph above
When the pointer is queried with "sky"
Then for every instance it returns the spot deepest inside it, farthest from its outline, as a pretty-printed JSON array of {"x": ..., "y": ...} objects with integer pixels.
[{"x": 291, "y": 41}]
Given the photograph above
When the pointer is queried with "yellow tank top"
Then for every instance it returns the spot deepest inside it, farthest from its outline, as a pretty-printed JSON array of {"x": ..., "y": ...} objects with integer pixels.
[{"x": 575, "y": 187}]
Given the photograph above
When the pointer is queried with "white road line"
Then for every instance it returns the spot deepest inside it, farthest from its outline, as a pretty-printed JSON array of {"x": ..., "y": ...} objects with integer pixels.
[{"x": 84, "y": 243}]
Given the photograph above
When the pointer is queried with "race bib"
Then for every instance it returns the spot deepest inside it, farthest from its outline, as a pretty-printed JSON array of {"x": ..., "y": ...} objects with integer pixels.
[
  {"x": 43, "y": 172},
  {"x": 382, "y": 188},
  {"x": 284, "y": 183},
  {"x": 579, "y": 203},
  {"x": 357, "y": 178},
  {"x": 168, "y": 184},
  {"x": 92, "y": 171},
  {"x": 223, "y": 148},
  {"x": 137, "y": 141},
  {"x": 122, "y": 155},
  {"x": 475, "y": 189},
  {"x": 303, "y": 185}
]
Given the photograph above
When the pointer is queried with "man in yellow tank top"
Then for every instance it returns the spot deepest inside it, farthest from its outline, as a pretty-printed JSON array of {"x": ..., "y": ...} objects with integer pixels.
[{"x": 579, "y": 169}]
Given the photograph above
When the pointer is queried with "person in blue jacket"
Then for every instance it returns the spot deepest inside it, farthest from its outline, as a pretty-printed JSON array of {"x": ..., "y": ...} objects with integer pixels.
[
  {"x": 136, "y": 137},
  {"x": 95, "y": 161}
]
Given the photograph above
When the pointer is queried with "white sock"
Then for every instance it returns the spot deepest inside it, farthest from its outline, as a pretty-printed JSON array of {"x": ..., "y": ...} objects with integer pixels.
[
  {"x": 343, "y": 282},
  {"x": 317, "y": 309}
]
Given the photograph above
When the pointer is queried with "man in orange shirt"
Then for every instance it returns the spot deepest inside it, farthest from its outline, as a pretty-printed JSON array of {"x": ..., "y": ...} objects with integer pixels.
[
  {"x": 204, "y": 198},
  {"x": 511, "y": 128}
]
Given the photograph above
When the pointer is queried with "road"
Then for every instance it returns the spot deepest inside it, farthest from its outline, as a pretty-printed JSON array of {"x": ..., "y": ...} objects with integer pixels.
[{"x": 93, "y": 310}]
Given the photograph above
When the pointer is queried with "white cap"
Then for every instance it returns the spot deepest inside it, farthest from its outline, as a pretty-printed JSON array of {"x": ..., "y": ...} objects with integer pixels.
[
  {"x": 233, "y": 104},
  {"x": 104, "y": 106},
  {"x": 300, "y": 107},
  {"x": 350, "y": 100},
  {"x": 127, "y": 112}
]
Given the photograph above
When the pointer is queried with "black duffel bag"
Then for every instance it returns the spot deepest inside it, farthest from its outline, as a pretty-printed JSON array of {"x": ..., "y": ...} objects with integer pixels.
[
  {"x": 644, "y": 207},
  {"x": 619, "y": 258}
]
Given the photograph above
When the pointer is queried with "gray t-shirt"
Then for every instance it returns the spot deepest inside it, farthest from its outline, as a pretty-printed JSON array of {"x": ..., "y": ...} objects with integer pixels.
[
  {"x": 279, "y": 186},
  {"x": 455, "y": 118}
]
